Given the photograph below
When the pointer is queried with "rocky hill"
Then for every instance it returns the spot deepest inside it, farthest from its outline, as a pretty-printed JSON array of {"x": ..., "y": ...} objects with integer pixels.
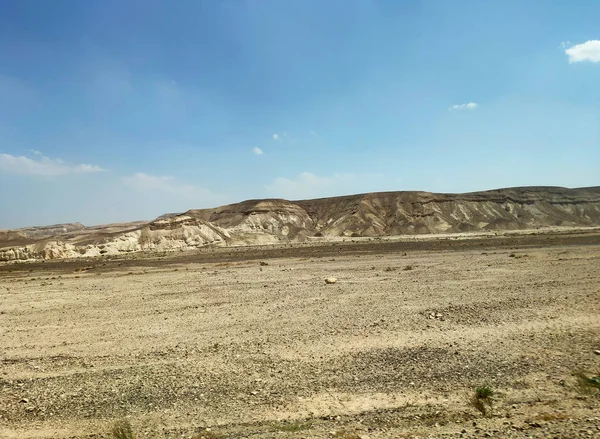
[{"x": 278, "y": 221}]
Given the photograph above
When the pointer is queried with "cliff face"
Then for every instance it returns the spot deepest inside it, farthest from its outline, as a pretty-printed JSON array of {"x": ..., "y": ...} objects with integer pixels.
[
  {"x": 393, "y": 213},
  {"x": 275, "y": 221}
]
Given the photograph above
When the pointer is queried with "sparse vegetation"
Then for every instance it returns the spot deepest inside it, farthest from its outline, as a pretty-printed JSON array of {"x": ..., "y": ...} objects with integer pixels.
[
  {"x": 207, "y": 434},
  {"x": 292, "y": 426},
  {"x": 586, "y": 384},
  {"x": 484, "y": 392},
  {"x": 482, "y": 400},
  {"x": 122, "y": 430},
  {"x": 314, "y": 358}
]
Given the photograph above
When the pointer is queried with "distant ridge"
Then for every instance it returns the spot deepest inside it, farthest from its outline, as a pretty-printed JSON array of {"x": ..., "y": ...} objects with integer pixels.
[{"x": 270, "y": 221}]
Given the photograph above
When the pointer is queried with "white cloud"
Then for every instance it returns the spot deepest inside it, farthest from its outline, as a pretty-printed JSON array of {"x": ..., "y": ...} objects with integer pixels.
[
  {"x": 588, "y": 51},
  {"x": 309, "y": 185},
  {"x": 256, "y": 150},
  {"x": 44, "y": 166},
  {"x": 468, "y": 106},
  {"x": 276, "y": 136},
  {"x": 145, "y": 182},
  {"x": 156, "y": 195}
]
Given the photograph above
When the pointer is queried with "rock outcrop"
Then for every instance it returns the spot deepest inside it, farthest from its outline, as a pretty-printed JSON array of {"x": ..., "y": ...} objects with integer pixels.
[{"x": 271, "y": 221}]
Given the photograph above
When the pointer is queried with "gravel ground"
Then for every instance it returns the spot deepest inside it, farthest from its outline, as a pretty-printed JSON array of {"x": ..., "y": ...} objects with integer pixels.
[{"x": 253, "y": 343}]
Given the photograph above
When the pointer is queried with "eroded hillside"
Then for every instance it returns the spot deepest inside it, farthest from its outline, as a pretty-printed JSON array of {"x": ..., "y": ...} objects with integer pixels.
[{"x": 260, "y": 222}]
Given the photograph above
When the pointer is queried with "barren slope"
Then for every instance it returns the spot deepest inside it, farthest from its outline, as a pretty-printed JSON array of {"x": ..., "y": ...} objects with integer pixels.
[{"x": 278, "y": 221}]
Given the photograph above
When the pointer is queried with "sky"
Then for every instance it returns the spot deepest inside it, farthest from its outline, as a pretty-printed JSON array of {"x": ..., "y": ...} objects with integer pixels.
[{"x": 122, "y": 110}]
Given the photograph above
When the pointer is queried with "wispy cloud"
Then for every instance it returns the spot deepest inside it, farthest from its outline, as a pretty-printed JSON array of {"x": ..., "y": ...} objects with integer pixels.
[
  {"x": 276, "y": 136},
  {"x": 588, "y": 51},
  {"x": 145, "y": 182},
  {"x": 43, "y": 166},
  {"x": 467, "y": 106},
  {"x": 160, "y": 194},
  {"x": 256, "y": 150},
  {"x": 308, "y": 185}
]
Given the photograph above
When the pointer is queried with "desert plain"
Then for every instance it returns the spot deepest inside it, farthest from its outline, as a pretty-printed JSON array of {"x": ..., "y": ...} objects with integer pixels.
[{"x": 251, "y": 342}]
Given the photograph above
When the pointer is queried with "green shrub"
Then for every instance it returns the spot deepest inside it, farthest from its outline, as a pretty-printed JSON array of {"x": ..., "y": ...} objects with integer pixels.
[{"x": 482, "y": 399}]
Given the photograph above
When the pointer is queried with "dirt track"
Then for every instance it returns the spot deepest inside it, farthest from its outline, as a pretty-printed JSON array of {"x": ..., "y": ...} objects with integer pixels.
[{"x": 218, "y": 340}]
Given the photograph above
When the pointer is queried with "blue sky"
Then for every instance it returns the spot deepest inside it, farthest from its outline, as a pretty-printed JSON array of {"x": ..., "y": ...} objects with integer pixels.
[{"x": 124, "y": 110}]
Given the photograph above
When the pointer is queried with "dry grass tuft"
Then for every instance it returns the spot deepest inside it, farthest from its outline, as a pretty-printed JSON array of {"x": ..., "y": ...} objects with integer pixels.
[{"x": 122, "y": 430}]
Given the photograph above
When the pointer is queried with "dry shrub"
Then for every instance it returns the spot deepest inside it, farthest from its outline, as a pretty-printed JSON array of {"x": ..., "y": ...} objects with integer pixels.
[{"x": 122, "y": 430}]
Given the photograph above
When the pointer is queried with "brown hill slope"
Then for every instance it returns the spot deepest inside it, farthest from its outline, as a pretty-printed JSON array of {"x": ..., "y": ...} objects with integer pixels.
[
  {"x": 276, "y": 220},
  {"x": 394, "y": 213}
]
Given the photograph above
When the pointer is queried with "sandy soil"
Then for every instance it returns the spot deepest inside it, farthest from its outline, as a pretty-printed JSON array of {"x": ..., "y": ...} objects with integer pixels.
[{"x": 253, "y": 343}]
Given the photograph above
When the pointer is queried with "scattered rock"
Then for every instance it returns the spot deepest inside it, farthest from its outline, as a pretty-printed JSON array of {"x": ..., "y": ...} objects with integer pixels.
[
  {"x": 331, "y": 280},
  {"x": 436, "y": 315},
  {"x": 597, "y": 351}
]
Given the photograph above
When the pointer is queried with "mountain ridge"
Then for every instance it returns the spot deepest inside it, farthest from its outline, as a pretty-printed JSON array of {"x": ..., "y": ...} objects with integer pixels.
[{"x": 271, "y": 221}]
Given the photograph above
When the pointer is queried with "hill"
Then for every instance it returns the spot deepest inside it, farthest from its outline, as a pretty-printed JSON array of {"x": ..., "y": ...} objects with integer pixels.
[{"x": 272, "y": 221}]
